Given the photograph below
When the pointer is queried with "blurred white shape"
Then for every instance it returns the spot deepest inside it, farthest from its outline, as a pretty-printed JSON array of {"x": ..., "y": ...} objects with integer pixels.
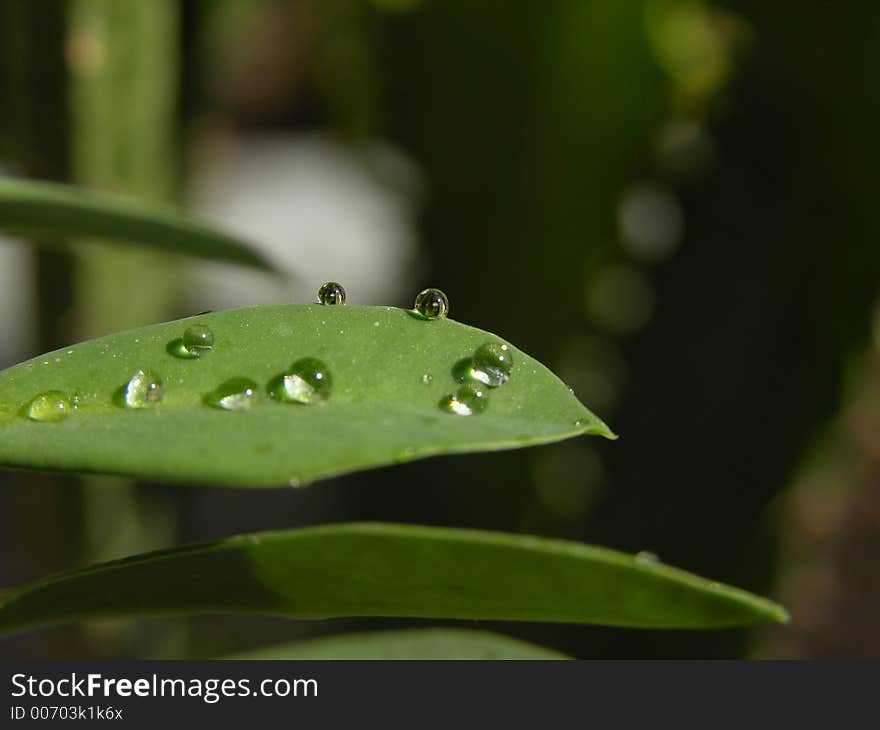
[
  {"x": 651, "y": 222},
  {"x": 17, "y": 320},
  {"x": 320, "y": 211}
]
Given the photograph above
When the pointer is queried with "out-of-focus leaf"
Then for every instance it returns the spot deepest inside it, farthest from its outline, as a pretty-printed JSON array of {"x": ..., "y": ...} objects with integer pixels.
[
  {"x": 407, "y": 644},
  {"x": 50, "y": 212}
]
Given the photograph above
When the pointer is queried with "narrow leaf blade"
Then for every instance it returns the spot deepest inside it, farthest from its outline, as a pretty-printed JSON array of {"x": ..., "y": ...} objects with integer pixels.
[
  {"x": 372, "y": 569},
  {"x": 51, "y": 212}
]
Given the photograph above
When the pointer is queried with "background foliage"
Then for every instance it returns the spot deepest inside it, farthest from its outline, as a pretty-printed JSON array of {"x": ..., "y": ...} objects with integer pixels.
[{"x": 669, "y": 202}]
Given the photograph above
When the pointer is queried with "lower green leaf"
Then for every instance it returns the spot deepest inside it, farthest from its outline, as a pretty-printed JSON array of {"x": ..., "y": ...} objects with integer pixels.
[
  {"x": 372, "y": 569},
  {"x": 429, "y": 644}
]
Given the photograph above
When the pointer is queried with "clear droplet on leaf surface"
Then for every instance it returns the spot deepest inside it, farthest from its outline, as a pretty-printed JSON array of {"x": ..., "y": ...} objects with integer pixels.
[
  {"x": 432, "y": 304},
  {"x": 331, "y": 293},
  {"x": 198, "y": 337},
  {"x": 143, "y": 389},
  {"x": 49, "y": 407},
  {"x": 492, "y": 364},
  {"x": 469, "y": 399},
  {"x": 196, "y": 341},
  {"x": 176, "y": 348},
  {"x": 235, "y": 394},
  {"x": 308, "y": 381}
]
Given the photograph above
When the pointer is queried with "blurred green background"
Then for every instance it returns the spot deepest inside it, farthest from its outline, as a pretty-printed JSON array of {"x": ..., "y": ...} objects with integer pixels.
[{"x": 672, "y": 203}]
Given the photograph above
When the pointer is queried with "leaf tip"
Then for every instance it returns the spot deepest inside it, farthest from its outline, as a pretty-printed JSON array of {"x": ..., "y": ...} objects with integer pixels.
[
  {"x": 780, "y": 614},
  {"x": 597, "y": 427}
]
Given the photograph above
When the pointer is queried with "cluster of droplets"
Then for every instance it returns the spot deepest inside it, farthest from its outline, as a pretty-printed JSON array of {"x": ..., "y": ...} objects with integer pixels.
[
  {"x": 489, "y": 367},
  {"x": 307, "y": 381}
]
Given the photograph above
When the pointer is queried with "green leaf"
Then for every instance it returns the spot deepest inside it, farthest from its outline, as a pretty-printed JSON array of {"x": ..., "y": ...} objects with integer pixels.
[
  {"x": 391, "y": 570},
  {"x": 436, "y": 644},
  {"x": 46, "y": 211},
  {"x": 380, "y": 410}
]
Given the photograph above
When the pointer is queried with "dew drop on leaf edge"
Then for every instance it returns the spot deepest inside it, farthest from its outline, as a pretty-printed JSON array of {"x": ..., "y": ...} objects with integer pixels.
[
  {"x": 307, "y": 382},
  {"x": 432, "y": 304},
  {"x": 235, "y": 394},
  {"x": 331, "y": 293},
  {"x": 646, "y": 557},
  {"x": 50, "y": 406}
]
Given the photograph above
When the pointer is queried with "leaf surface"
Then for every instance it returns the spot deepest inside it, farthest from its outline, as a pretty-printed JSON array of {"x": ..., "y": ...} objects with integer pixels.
[
  {"x": 390, "y": 371},
  {"x": 371, "y": 569}
]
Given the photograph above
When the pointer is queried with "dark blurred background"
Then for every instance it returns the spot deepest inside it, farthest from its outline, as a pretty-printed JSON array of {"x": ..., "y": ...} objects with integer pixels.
[{"x": 671, "y": 202}]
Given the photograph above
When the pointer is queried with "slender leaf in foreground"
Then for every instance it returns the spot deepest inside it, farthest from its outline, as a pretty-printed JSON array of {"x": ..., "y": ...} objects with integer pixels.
[
  {"x": 391, "y": 570},
  {"x": 407, "y": 644},
  {"x": 210, "y": 419},
  {"x": 52, "y": 212}
]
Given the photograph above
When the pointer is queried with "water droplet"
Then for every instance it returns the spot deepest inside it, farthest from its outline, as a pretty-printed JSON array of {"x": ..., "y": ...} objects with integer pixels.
[
  {"x": 468, "y": 400},
  {"x": 463, "y": 370},
  {"x": 492, "y": 364},
  {"x": 432, "y": 304},
  {"x": 198, "y": 337},
  {"x": 235, "y": 394},
  {"x": 331, "y": 293},
  {"x": 196, "y": 341},
  {"x": 143, "y": 389},
  {"x": 308, "y": 381},
  {"x": 645, "y": 557},
  {"x": 49, "y": 407},
  {"x": 176, "y": 348},
  {"x": 427, "y": 378}
]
